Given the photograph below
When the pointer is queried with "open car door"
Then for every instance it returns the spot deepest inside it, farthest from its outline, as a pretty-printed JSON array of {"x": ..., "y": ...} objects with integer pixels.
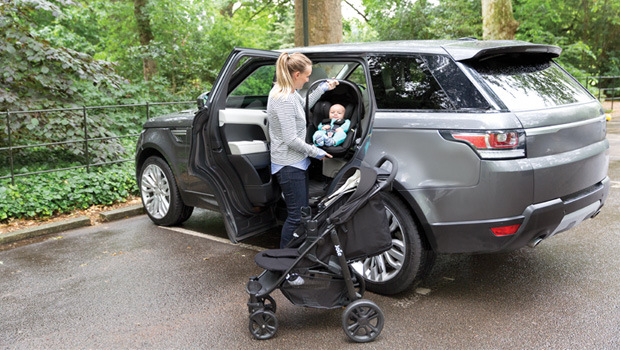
[{"x": 230, "y": 143}]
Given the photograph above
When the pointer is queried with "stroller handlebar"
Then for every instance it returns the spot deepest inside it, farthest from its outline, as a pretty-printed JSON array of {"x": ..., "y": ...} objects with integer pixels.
[{"x": 387, "y": 184}]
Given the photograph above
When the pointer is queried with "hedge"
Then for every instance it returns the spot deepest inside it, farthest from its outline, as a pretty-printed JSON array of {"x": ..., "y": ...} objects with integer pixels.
[{"x": 44, "y": 195}]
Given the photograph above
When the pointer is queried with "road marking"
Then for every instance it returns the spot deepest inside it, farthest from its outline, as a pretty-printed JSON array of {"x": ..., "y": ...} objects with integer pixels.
[
  {"x": 214, "y": 238},
  {"x": 615, "y": 184}
]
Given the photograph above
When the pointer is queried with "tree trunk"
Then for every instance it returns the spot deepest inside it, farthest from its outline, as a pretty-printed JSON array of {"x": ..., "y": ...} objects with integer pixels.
[
  {"x": 324, "y": 22},
  {"x": 498, "y": 22},
  {"x": 145, "y": 33}
]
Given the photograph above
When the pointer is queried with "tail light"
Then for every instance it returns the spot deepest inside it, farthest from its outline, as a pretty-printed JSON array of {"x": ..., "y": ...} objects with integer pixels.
[
  {"x": 505, "y": 230},
  {"x": 491, "y": 144}
]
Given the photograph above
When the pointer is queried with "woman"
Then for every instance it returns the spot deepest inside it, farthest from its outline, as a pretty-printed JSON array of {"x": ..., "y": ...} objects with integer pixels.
[{"x": 287, "y": 131}]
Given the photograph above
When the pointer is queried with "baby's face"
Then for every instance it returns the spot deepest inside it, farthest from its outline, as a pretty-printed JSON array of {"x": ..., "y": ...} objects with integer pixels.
[{"x": 336, "y": 112}]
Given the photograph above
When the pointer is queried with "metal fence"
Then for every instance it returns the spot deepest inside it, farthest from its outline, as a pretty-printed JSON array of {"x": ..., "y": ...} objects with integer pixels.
[
  {"x": 85, "y": 140},
  {"x": 607, "y": 87}
]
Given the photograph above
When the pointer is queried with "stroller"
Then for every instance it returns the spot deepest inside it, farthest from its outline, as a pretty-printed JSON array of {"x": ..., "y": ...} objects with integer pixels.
[{"x": 350, "y": 224}]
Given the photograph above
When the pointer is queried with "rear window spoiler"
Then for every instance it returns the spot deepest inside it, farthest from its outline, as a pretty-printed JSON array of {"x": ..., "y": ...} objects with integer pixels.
[{"x": 478, "y": 50}]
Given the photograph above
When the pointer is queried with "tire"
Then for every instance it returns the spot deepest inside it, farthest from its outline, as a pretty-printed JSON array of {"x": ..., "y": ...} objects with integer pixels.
[
  {"x": 263, "y": 324},
  {"x": 409, "y": 260},
  {"x": 362, "y": 321},
  {"x": 160, "y": 194}
]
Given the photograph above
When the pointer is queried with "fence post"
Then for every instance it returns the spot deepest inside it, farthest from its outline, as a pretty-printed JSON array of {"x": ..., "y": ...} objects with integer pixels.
[
  {"x": 613, "y": 95},
  {"x": 8, "y": 126},
  {"x": 148, "y": 115},
  {"x": 86, "y": 141}
]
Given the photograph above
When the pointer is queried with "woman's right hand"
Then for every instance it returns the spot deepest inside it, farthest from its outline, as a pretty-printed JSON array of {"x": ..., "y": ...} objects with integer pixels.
[{"x": 326, "y": 155}]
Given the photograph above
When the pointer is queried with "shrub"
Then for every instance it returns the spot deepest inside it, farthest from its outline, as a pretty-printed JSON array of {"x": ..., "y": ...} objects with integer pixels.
[{"x": 47, "y": 194}]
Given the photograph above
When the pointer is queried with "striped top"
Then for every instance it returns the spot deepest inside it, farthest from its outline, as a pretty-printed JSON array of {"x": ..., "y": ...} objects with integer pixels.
[{"x": 287, "y": 128}]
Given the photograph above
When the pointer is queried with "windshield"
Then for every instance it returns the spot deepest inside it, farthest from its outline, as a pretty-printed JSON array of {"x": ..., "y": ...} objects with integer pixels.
[{"x": 528, "y": 83}]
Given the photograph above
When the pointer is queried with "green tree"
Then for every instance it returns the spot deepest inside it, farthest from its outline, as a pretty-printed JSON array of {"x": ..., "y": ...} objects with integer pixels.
[
  {"x": 190, "y": 40},
  {"x": 422, "y": 19},
  {"x": 35, "y": 73},
  {"x": 587, "y": 30},
  {"x": 145, "y": 33}
]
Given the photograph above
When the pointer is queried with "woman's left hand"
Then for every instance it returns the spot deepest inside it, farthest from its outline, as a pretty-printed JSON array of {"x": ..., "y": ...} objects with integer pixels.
[{"x": 332, "y": 83}]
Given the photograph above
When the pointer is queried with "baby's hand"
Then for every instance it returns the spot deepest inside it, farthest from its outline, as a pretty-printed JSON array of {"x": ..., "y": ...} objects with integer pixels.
[
  {"x": 325, "y": 127},
  {"x": 339, "y": 129}
]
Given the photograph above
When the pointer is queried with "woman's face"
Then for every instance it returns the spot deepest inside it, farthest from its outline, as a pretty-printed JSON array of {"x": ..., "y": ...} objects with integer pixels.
[{"x": 300, "y": 78}]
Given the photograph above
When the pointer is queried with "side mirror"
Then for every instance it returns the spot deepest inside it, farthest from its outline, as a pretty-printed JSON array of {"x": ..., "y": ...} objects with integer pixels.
[{"x": 202, "y": 100}]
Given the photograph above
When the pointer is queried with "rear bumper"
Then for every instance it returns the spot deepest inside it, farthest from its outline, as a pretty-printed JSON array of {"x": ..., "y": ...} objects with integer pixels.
[{"x": 538, "y": 221}]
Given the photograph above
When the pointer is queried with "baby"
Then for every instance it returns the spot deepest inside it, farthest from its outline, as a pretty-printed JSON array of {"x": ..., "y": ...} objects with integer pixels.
[{"x": 332, "y": 131}]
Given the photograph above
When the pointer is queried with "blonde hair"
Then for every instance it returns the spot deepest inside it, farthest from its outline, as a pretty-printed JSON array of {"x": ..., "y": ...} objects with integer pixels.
[{"x": 286, "y": 65}]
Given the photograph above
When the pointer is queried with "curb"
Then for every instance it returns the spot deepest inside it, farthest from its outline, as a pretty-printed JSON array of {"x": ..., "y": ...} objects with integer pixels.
[
  {"x": 70, "y": 224},
  {"x": 122, "y": 213},
  {"x": 54, "y": 227}
]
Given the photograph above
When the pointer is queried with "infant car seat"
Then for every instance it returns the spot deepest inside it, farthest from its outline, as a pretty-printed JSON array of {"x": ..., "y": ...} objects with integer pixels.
[{"x": 348, "y": 95}]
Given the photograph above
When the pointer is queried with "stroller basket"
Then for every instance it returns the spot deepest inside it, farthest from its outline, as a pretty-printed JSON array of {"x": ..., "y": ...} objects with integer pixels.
[{"x": 317, "y": 290}]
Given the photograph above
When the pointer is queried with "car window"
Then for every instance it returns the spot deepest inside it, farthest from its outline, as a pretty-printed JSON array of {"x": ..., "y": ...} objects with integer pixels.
[
  {"x": 325, "y": 70},
  {"x": 528, "y": 83},
  {"x": 358, "y": 77},
  {"x": 406, "y": 82},
  {"x": 462, "y": 93},
  {"x": 253, "y": 91}
]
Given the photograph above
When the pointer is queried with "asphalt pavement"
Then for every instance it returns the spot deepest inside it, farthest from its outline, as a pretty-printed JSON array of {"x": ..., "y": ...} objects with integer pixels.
[{"x": 131, "y": 284}]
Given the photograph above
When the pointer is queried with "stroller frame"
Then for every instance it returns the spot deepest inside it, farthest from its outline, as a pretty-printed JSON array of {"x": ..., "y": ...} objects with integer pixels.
[{"x": 362, "y": 320}]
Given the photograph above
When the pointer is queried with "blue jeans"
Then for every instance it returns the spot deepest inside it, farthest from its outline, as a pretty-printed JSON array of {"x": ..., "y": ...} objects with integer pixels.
[{"x": 294, "y": 185}]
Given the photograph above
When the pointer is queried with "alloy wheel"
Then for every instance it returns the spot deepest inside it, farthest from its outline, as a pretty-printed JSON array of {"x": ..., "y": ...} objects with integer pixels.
[{"x": 155, "y": 190}]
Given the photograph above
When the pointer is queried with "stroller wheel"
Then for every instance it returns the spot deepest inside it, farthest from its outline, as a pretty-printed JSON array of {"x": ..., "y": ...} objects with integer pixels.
[
  {"x": 362, "y": 321},
  {"x": 269, "y": 304},
  {"x": 263, "y": 324}
]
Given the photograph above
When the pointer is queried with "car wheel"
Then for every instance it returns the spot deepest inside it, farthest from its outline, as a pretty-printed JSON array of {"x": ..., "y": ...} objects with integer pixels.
[
  {"x": 406, "y": 263},
  {"x": 160, "y": 194}
]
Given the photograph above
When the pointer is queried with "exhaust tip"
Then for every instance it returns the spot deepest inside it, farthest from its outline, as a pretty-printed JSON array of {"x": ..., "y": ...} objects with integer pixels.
[
  {"x": 536, "y": 241},
  {"x": 595, "y": 214}
]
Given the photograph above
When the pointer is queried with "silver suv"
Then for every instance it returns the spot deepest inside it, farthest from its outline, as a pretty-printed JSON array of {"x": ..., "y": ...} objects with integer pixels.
[{"x": 498, "y": 147}]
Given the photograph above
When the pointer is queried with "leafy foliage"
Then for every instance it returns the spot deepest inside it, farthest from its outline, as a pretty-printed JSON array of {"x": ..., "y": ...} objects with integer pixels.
[
  {"x": 191, "y": 39},
  {"x": 60, "y": 192},
  {"x": 34, "y": 73},
  {"x": 587, "y": 30},
  {"x": 68, "y": 126},
  {"x": 423, "y": 19}
]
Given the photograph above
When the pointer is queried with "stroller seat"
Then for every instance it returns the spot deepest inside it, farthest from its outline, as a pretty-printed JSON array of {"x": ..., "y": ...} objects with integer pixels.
[{"x": 280, "y": 259}]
